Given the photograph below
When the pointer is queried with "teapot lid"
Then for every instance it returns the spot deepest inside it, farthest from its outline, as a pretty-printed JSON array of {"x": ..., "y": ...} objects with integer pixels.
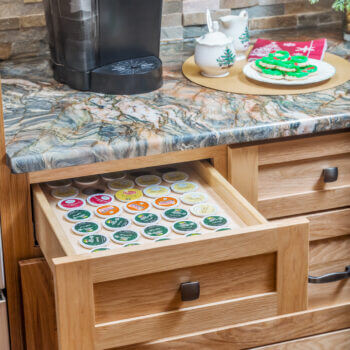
[{"x": 214, "y": 38}]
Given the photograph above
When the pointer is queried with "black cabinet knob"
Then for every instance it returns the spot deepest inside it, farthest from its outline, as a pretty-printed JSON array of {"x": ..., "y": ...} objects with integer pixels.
[
  {"x": 189, "y": 291},
  {"x": 330, "y": 174}
]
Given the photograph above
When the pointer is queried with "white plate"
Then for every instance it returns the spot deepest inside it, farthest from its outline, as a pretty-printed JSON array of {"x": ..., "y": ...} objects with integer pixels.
[{"x": 325, "y": 72}]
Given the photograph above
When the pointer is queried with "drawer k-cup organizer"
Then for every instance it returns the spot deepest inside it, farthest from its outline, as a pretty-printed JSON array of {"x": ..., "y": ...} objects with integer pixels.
[{"x": 159, "y": 289}]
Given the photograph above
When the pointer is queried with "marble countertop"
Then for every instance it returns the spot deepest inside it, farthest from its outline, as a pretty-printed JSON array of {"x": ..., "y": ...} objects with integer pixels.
[{"x": 48, "y": 125}]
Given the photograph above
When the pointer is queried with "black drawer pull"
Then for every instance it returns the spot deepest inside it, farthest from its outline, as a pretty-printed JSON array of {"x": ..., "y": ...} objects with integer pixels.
[
  {"x": 190, "y": 291},
  {"x": 330, "y": 174},
  {"x": 331, "y": 277}
]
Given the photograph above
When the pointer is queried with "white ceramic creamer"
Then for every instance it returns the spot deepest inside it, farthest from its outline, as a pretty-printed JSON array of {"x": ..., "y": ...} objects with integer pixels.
[{"x": 237, "y": 28}]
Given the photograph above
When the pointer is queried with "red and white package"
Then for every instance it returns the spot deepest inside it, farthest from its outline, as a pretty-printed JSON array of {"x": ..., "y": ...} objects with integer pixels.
[{"x": 312, "y": 49}]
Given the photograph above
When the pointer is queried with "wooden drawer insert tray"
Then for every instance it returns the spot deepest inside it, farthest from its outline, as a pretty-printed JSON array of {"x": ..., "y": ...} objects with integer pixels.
[{"x": 130, "y": 295}]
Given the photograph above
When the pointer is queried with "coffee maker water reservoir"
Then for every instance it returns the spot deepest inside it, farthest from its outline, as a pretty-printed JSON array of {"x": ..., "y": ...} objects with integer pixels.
[{"x": 108, "y": 46}]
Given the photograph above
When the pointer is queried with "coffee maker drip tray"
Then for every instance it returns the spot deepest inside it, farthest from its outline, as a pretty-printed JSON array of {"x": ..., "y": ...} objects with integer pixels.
[{"x": 131, "y": 76}]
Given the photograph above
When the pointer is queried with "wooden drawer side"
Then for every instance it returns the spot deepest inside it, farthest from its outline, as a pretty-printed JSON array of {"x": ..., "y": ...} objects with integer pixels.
[{"x": 48, "y": 230}]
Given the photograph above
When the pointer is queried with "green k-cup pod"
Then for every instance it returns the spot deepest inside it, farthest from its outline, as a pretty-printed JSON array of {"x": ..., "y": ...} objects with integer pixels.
[
  {"x": 162, "y": 239},
  {"x": 214, "y": 221},
  {"x": 222, "y": 229},
  {"x": 94, "y": 241},
  {"x": 175, "y": 214},
  {"x": 86, "y": 227},
  {"x": 99, "y": 250},
  {"x": 77, "y": 215},
  {"x": 144, "y": 219},
  {"x": 193, "y": 234},
  {"x": 185, "y": 226},
  {"x": 131, "y": 244},
  {"x": 115, "y": 223},
  {"x": 155, "y": 231},
  {"x": 125, "y": 236}
]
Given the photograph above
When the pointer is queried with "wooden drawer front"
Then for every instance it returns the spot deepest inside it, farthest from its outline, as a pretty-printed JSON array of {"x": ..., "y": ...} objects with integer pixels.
[
  {"x": 155, "y": 293},
  {"x": 298, "y": 187},
  {"x": 329, "y": 252},
  {"x": 4, "y": 333},
  {"x": 339, "y": 340},
  {"x": 127, "y": 296},
  {"x": 328, "y": 256}
]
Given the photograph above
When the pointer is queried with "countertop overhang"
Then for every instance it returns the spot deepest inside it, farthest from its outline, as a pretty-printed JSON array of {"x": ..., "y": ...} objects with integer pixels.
[{"x": 50, "y": 126}]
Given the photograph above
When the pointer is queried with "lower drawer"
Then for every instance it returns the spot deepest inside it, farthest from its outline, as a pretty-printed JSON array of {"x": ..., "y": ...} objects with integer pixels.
[
  {"x": 4, "y": 335},
  {"x": 339, "y": 340},
  {"x": 187, "y": 284},
  {"x": 329, "y": 253}
]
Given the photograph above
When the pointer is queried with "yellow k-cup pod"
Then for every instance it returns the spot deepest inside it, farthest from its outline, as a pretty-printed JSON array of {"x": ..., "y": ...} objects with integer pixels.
[
  {"x": 66, "y": 192},
  {"x": 148, "y": 180},
  {"x": 120, "y": 184},
  {"x": 87, "y": 180},
  {"x": 128, "y": 195},
  {"x": 192, "y": 198},
  {"x": 155, "y": 191},
  {"x": 59, "y": 183},
  {"x": 204, "y": 209},
  {"x": 113, "y": 176},
  {"x": 184, "y": 186},
  {"x": 175, "y": 176}
]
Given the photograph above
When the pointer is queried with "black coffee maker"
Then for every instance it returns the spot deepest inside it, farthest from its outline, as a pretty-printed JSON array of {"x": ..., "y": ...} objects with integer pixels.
[{"x": 108, "y": 46}]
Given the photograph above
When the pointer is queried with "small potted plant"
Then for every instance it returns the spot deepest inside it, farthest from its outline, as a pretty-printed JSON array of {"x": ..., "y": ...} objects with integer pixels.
[{"x": 341, "y": 5}]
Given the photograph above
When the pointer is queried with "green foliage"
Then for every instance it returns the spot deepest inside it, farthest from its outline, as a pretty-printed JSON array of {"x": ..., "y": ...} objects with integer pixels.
[{"x": 338, "y": 5}]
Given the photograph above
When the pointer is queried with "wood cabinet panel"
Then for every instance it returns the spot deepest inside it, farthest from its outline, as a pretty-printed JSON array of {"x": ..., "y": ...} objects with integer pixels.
[
  {"x": 150, "y": 294},
  {"x": 38, "y": 305},
  {"x": 289, "y": 178},
  {"x": 336, "y": 340},
  {"x": 258, "y": 333}
]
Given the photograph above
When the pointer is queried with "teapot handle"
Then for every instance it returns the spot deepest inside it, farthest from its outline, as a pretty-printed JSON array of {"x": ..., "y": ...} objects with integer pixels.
[{"x": 243, "y": 13}]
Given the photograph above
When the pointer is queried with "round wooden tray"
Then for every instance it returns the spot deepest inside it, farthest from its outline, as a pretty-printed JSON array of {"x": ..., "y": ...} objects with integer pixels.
[{"x": 238, "y": 83}]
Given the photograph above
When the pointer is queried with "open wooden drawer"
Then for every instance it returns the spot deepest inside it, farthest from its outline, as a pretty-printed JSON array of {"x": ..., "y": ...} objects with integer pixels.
[{"x": 127, "y": 296}]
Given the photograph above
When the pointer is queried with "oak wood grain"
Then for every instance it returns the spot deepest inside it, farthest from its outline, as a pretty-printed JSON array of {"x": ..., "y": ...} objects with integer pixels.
[
  {"x": 243, "y": 171},
  {"x": 302, "y": 176},
  {"x": 38, "y": 305},
  {"x": 329, "y": 224},
  {"x": 307, "y": 202},
  {"x": 180, "y": 321},
  {"x": 339, "y": 340},
  {"x": 218, "y": 155},
  {"x": 4, "y": 332},
  {"x": 258, "y": 333},
  {"x": 305, "y": 148},
  {"x": 17, "y": 236},
  {"x": 155, "y": 293}
]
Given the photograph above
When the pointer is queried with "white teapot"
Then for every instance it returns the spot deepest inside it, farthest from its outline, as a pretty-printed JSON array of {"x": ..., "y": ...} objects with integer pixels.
[{"x": 237, "y": 28}]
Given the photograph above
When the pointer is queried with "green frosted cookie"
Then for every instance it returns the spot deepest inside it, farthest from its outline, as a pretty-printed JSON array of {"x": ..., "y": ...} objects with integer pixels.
[
  {"x": 299, "y": 60},
  {"x": 272, "y": 73},
  {"x": 280, "y": 55},
  {"x": 296, "y": 75}
]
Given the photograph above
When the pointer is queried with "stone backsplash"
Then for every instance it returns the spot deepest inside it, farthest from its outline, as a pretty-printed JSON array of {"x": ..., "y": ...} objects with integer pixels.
[{"x": 23, "y": 32}]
